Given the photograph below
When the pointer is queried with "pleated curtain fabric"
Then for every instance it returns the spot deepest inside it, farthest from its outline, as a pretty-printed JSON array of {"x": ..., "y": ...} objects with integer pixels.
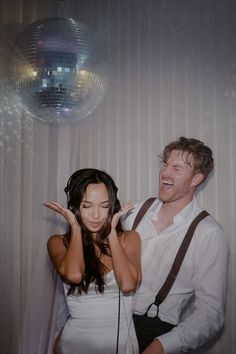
[{"x": 171, "y": 72}]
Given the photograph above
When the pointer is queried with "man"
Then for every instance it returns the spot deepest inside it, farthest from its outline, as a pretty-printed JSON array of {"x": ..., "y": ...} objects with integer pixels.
[{"x": 195, "y": 303}]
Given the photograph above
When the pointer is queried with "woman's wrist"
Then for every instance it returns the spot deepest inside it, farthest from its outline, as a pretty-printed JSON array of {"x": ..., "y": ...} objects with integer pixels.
[
  {"x": 113, "y": 233},
  {"x": 74, "y": 223}
]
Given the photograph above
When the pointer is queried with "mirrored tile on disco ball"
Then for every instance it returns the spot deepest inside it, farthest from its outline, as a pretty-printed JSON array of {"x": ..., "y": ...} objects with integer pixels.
[{"x": 59, "y": 70}]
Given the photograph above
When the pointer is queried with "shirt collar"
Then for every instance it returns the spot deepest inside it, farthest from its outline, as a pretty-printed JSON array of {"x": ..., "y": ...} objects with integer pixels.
[{"x": 183, "y": 216}]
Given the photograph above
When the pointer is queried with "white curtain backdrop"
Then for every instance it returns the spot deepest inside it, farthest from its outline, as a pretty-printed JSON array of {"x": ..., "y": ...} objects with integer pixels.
[{"x": 171, "y": 71}]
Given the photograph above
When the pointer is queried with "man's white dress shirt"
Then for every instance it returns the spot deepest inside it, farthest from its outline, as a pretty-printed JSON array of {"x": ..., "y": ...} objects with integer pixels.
[{"x": 196, "y": 300}]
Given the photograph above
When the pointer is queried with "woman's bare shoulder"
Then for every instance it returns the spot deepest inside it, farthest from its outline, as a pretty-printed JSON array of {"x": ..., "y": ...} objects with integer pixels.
[
  {"x": 56, "y": 240},
  {"x": 130, "y": 237},
  {"x": 131, "y": 233}
]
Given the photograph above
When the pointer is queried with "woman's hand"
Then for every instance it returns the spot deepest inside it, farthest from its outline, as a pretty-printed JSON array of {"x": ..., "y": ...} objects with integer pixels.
[
  {"x": 68, "y": 261},
  {"x": 125, "y": 253},
  {"x": 68, "y": 215},
  {"x": 116, "y": 217}
]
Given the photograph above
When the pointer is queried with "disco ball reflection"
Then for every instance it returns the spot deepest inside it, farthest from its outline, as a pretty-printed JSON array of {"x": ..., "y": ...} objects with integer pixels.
[{"x": 59, "y": 69}]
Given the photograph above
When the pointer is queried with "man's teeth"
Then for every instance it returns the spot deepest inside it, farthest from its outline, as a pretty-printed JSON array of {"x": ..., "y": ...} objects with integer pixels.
[{"x": 167, "y": 183}]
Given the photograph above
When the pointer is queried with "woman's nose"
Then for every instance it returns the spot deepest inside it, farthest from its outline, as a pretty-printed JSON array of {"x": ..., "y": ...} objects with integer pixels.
[{"x": 96, "y": 213}]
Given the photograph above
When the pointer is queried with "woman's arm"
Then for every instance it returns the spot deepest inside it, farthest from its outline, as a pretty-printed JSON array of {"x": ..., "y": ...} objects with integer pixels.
[
  {"x": 126, "y": 260},
  {"x": 69, "y": 262},
  {"x": 126, "y": 255}
]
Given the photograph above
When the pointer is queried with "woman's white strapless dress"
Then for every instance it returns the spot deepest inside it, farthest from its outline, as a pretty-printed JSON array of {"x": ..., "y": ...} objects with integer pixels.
[{"x": 92, "y": 327}]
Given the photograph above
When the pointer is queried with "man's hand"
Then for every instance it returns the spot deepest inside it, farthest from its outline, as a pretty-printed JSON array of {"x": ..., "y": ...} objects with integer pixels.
[{"x": 154, "y": 348}]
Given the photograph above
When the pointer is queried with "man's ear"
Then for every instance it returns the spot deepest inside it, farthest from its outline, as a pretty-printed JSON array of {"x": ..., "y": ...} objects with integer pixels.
[{"x": 197, "y": 179}]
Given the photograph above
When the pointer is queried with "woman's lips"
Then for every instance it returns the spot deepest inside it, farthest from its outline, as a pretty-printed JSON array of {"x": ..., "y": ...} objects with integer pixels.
[{"x": 95, "y": 224}]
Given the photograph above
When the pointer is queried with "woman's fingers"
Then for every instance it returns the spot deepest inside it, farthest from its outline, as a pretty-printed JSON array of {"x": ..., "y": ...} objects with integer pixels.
[
  {"x": 58, "y": 208},
  {"x": 66, "y": 213},
  {"x": 125, "y": 208},
  {"x": 54, "y": 206}
]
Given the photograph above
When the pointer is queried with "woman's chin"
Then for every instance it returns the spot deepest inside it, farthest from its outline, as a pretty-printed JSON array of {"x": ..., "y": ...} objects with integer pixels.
[{"x": 94, "y": 228}]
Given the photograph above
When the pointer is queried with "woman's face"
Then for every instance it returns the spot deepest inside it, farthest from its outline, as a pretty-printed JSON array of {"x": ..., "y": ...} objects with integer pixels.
[{"x": 94, "y": 207}]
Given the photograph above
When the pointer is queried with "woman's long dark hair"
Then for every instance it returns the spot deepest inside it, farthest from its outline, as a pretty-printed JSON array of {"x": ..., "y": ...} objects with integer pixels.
[{"x": 75, "y": 190}]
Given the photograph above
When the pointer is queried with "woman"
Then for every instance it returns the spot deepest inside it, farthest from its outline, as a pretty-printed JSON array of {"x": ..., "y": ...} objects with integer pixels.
[{"x": 99, "y": 264}]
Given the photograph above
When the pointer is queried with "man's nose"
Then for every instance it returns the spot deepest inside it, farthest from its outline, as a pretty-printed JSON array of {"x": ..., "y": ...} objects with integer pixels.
[{"x": 165, "y": 171}]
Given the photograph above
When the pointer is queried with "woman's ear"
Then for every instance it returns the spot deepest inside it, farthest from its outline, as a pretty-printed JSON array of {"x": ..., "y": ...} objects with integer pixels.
[{"x": 197, "y": 179}]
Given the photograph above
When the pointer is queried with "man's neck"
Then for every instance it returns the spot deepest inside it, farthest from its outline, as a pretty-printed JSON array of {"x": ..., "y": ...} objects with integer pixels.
[
  {"x": 167, "y": 213},
  {"x": 173, "y": 208}
]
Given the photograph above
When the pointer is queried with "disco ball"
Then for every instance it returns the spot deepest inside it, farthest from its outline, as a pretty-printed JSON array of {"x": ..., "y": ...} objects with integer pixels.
[{"x": 59, "y": 69}]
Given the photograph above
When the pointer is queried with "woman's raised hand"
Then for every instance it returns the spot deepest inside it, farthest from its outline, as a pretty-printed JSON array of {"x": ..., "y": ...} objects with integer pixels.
[
  {"x": 126, "y": 207},
  {"x": 66, "y": 213}
]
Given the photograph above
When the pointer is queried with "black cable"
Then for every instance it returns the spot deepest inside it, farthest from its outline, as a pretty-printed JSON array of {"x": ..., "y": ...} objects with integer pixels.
[{"x": 118, "y": 326}]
